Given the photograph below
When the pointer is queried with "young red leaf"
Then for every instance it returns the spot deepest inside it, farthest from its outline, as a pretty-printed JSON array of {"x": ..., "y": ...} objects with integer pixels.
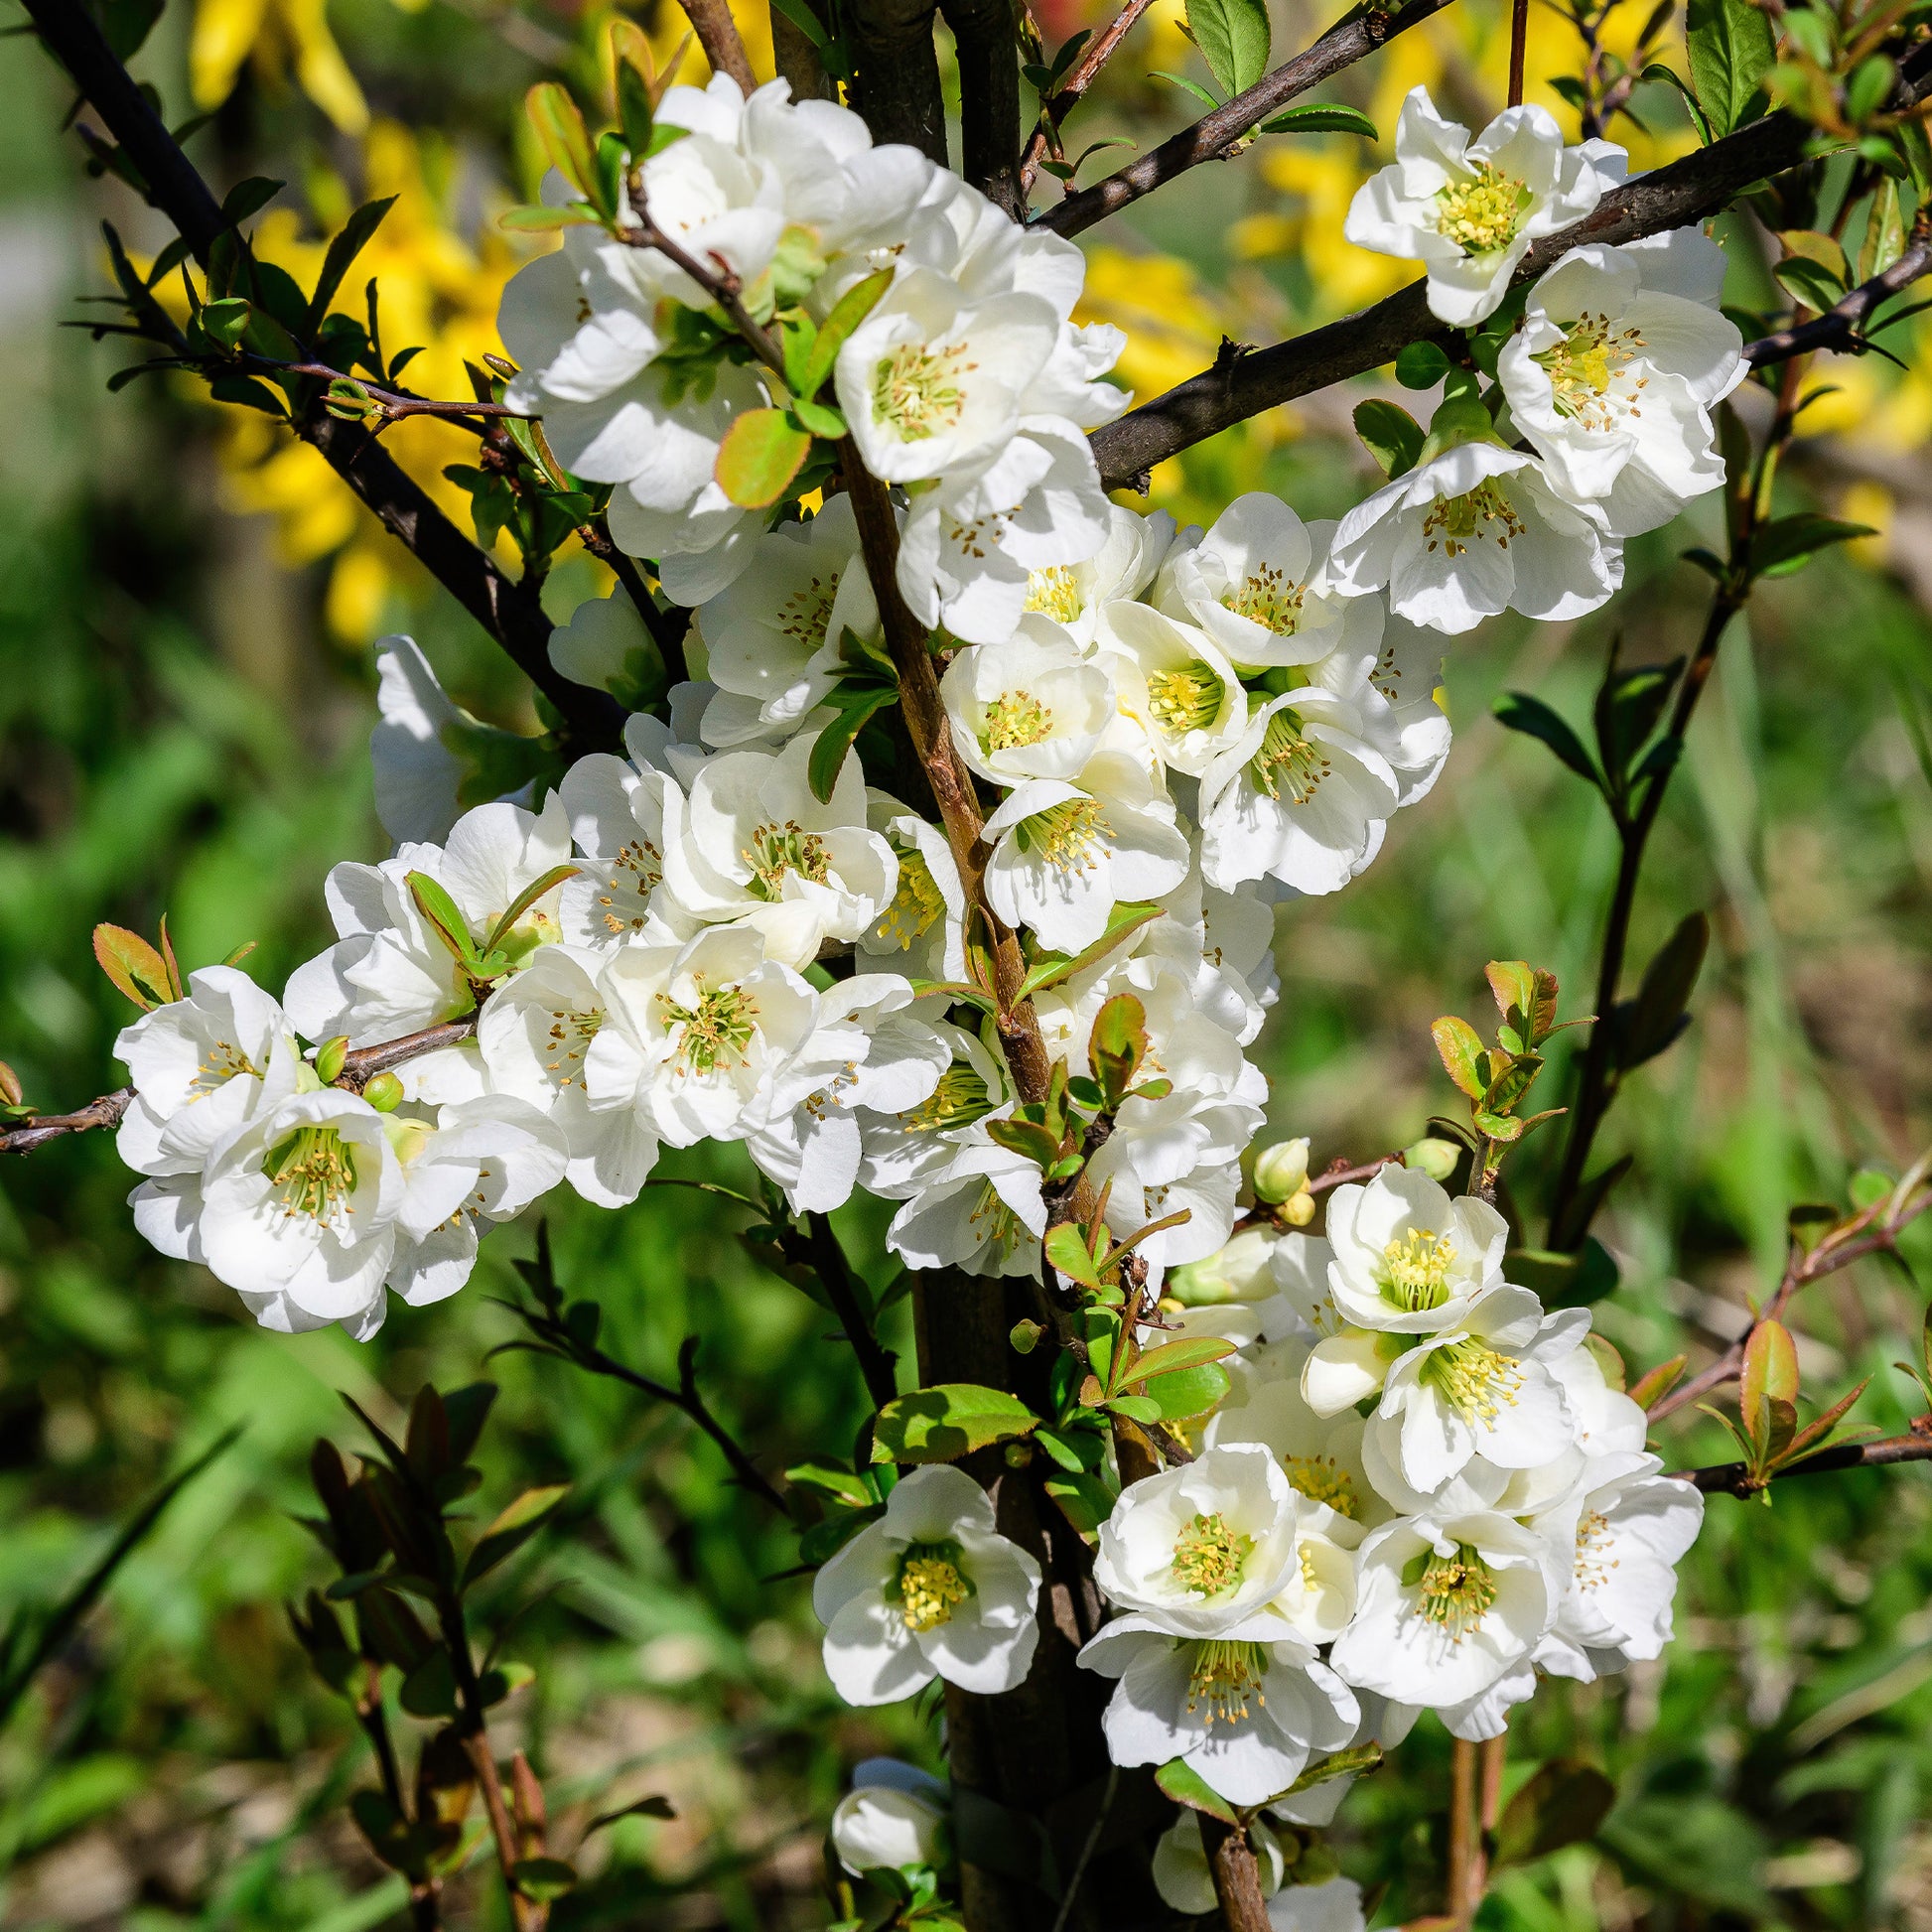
[{"x": 1461, "y": 1051}]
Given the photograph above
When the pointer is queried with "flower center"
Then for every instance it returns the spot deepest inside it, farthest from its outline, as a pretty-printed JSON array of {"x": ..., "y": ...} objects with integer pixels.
[
  {"x": 1480, "y": 214},
  {"x": 313, "y": 1172},
  {"x": 993, "y": 1224},
  {"x": 1458, "y": 521},
  {"x": 1416, "y": 1270},
  {"x": 572, "y": 1029},
  {"x": 958, "y": 1100},
  {"x": 1227, "y": 1679},
  {"x": 715, "y": 1031},
  {"x": 916, "y": 391},
  {"x": 1186, "y": 699},
  {"x": 805, "y": 614},
  {"x": 1322, "y": 1479},
  {"x": 1208, "y": 1557},
  {"x": 929, "y": 1584},
  {"x": 1064, "y": 835},
  {"x": 1015, "y": 720},
  {"x": 1269, "y": 598},
  {"x": 1593, "y": 1565},
  {"x": 1582, "y": 366},
  {"x": 222, "y": 1064},
  {"x": 1473, "y": 1380},
  {"x": 1053, "y": 593},
  {"x": 916, "y": 902},
  {"x": 776, "y": 850},
  {"x": 1456, "y": 1590},
  {"x": 633, "y": 872},
  {"x": 1287, "y": 762}
]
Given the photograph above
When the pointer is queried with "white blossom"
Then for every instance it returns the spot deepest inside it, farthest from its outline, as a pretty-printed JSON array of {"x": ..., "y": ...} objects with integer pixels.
[
  {"x": 981, "y": 1211},
  {"x": 895, "y": 1818},
  {"x": 606, "y": 645},
  {"x": 1031, "y": 708},
  {"x": 1468, "y": 209},
  {"x": 929, "y": 1590},
  {"x": 624, "y": 815},
  {"x": 923, "y": 928},
  {"x": 1334, "y": 1905},
  {"x": 1173, "y": 682},
  {"x": 1405, "y": 1256}
]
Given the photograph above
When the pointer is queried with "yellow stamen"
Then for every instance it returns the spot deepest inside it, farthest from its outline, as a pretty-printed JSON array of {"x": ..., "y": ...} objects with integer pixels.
[
  {"x": 1208, "y": 1557},
  {"x": 1480, "y": 214}
]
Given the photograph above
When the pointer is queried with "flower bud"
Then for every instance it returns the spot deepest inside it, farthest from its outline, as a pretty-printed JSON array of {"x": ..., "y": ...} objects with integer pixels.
[
  {"x": 1239, "y": 1272},
  {"x": 1282, "y": 1170},
  {"x": 881, "y": 1824},
  {"x": 1025, "y": 1337},
  {"x": 329, "y": 1056},
  {"x": 383, "y": 1093},
  {"x": 1435, "y": 1159}
]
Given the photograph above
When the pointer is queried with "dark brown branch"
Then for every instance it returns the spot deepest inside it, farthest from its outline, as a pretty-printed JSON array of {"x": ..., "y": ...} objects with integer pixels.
[
  {"x": 1241, "y": 385},
  {"x": 1237, "y": 1876},
  {"x": 22, "y": 1137},
  {"x": 899, "y": 72},
  {"x": 986, "y": 41},
  {"x": 717, "y": 31},
  {"x": 1214, "y": 135},
  {"x": 1736, "y": 1479},
  {"x": 510, "y": 612},
  {"x": 1841, "y": 327},
  {"x": 1093, "y": 57},
  {"x": 877, "y": 1363},
  {"x": 361, "y": 1065}
]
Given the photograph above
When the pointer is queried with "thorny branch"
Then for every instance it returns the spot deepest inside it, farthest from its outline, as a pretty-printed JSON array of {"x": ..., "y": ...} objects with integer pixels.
[
  {"x": 1215, "y": 136},
  {"x": 1245, "y": 382}
]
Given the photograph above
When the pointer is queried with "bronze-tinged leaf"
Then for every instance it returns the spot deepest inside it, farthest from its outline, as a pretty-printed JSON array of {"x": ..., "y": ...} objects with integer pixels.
[
  {"x": 1769, "y": 1389},
  {"x": 1461, "y": 1050},
  {"x": 565, "y": 142},
  {"x": 760, "y": 454},
  {"x": 1658, "y": 1382},
  {"x": 133, "y": 965}
]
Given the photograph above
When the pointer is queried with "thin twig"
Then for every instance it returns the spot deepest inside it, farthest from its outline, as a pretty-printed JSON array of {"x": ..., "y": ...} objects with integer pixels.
[
  {"x": 1736, "y": 1479},
  {"x": 1216, "y": 135},
  {"x": 1519, "y": 36},
  {"x": 718, "y": 35},
  {"x": 877, "y": 1363},
  {"x": 1093, "y": 57},
  {"x": 1841, "y": 327},
  {"x": 26, "y": 1135}
]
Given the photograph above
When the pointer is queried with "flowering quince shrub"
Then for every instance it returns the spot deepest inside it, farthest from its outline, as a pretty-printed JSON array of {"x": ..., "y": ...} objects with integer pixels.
[{"x": 915, "y": 816}]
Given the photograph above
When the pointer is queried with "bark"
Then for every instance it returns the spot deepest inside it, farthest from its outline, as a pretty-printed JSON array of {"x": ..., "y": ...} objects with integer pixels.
[
  {"x": 984, "y": 31},
  {"x": 1237, "y": 1878},
  {"x": 797, "y": 59},
  {"x": 899, "y": 72}
]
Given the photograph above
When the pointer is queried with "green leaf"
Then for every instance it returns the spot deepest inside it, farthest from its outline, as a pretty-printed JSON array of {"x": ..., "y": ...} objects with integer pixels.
[
  {"x": 134, "y": 966},
  {"x": 1030, "y": 1137},
  {"x": 447, "y": 921},
  {"x": 1391, "y": 434},
  {"x": 1809, "y": 282},
  {"x": 342, "y": 254},
  {"x": 1193, "y": 88},
  {"x": 1067, "y": 1250},
  {"x": 1563, "y": 1803},
  {"x": 1128, "y": 918},
  {"x": 1731, "y": 49},
  {"x": 1185, "y": 1786},
  {"x": 1663, "y": 76},
  {"x": 125, "y": 25},
  {"x": 1790, "y": 543},
  {"x": 1085, "y": 1501},
  {"x": 1642, "y": 1027},
  {"x": 512, "y": 1529},
  {"x": 1233, "y": 36},
  {"x": 1186, "y": 1392},
  {"x": 1563, "y": 1281},
  {"x": 1322, "y": 117},
  {"x": 560, "y": 128},
  {"x": 522, "y": 903},
  {"x": 1420, "y": 366},
  {"x": 248, "y": 198},
  {"x": 1190, "y": 1351},
  {"x": 831, "y": 1480},
  {"x": 1517, "y": 711},
  {"x": 1767, "y": 1391},
  {"x": 635, "y": 113},
  {"x": 855, "y": 706},
  {"x": 428, "y": 1690},
  {"x": 760, "y": 454},
  {"x": 542, "y": 220},
  {"x": 818, "y": 419},
  {"x": 542, "y": 1878},
  {"x": 808, "y": 23},
  {"x": 851, "y": 309},
  {"x": 1117, "y": 1046},
  {"x": 950, "y": 1420},
  {"x": 1461, "y": 1053}
]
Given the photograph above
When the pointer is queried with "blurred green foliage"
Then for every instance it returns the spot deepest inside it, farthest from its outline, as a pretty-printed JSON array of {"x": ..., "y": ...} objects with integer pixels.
[{"x": 176, "y": 735}]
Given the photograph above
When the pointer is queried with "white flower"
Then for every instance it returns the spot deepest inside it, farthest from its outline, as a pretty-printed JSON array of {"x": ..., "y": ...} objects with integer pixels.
[
  {"x": 624, "y": 817},
  {"x": 1206, "y": 1547},
  {"x": 895, "y": 1818},
  {"x": 1393, "y": 687},
  {"x": 1066, "y": 854},
  {"x": 1031, "y": 708},
  {"x": 773, "y": 635},
  {"x": 1621, "y": 356},
  {"x": 1445, "y": 1607},
  {"x": 1468, "y": 209},
  {"x": 1608, "y": 1421},
  {"x": 607, "y": 646},
  {"x": 1629, "y": 1527},
  {"x": 930, "y": 1590},
  {"x": 1406, "y": 1257},
  {"x": 536, "y": 1032},
  {"x": 923, "y": 929},
  {"x": 867, "y": 1051},
  {"x": 1074, "y": 595},
  {"x": 1255, "y": 583},
  {"x": 472, "y": 1162},
  {"x": 698, "y": 1041},
  {"x": 390, "y": 974},
  {"x": 1470, "y": 532},
  {"x": 1246, "y": 1714},
  {"x": 759, "y": 850},
  {"x": 981, "y": 1212},
  {"x": 296, "y": 1211},
  {"x": 1183, "y": 1875},
  {"x": 1173, "y": 682},
  {"x": 1300, "y": 795},
  {"x": 1322, "y": 1456},
  {"x": 906, "y": 1150},
  {"x": 1335, "y": 1905},
  {"x": 201, "y": 1067}
]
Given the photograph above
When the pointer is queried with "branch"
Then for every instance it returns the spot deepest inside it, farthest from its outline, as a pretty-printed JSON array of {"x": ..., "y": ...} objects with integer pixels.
[
  {"x": 510, "y": 612},
  {"x": 898, "y": 66},
  {"x": 1093, "y": 57},
  {"x": 1215, "y": 136},
  {"x": 877, "y": 1363},
  {"x": 1843, "y": 326},
  {"x": 1243, "y": 384},
  {"x": 717, "y": 31},
  {"x": 24, "y": 1136},
  {"x": 1736, "y": 1479},
  {"x": 987, "y": 49}
]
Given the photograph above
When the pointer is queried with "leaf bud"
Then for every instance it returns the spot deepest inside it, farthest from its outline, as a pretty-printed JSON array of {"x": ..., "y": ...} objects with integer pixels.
[
  {"x": 1435, "y": 1159},
  {"x": 1025, "y": 1337},
  {"x": 383, "y": 1093},
  {"x": 1281, "y": 1171},
  {"x": 329, "y": 1056}
]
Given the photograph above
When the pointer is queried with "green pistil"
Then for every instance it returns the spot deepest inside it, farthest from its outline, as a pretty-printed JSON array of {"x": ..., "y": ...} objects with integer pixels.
[
  {"x": 715, "y": 1031},
  {"x": 1226, "y": 1678},
  {"x": 314, "y": 1172},
  {"x": 1287, "y": 764},
  {"x": 915, "y": 391},
  {"x": 1208, "y": 1557},
  {"x": 1480, "y": 214},
  {"x": 1416, "y": 1270},
  {"x": 1186, "y": 699}
]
